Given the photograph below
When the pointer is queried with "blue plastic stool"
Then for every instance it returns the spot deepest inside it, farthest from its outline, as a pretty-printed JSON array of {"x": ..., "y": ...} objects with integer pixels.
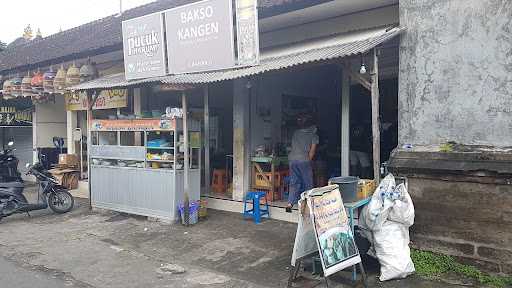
[{"x": 256, "y": 212}]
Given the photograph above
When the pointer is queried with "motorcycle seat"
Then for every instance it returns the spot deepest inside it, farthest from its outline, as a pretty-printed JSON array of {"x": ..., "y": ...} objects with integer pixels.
[{"x": 11, "y": 185}]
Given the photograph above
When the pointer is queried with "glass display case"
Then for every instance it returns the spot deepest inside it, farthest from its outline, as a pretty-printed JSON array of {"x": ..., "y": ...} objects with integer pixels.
[{"x": 137, "y": 165}]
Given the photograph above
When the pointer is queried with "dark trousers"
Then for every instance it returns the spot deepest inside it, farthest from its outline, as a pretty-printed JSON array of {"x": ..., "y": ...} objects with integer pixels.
[{"x": 301, "y": 179}]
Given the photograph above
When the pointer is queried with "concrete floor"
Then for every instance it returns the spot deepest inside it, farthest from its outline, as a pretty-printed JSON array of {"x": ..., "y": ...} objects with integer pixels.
[
  {"x": 92, "y": 249},
  {"x": 13, "y": 275}
]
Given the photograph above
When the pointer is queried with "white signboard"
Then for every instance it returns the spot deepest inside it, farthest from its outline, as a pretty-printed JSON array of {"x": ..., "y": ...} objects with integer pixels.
[
  {"x": 143, "y": 47},
  {"x": 247, "y": 36},
  {"x": 200, "y": 37},
  {"x": 329, "y": 228}
]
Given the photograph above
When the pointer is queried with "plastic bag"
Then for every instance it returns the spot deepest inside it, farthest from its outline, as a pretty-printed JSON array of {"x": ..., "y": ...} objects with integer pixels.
[
  {"x": 392, "y": 250},
  {"x": 376, "y": 212},
  {"x": 385, "y": 222},
  {"x": 403, "y": 210}
]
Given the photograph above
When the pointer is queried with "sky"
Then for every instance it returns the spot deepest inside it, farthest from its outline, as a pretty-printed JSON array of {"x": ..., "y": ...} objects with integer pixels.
[{"x": 52, "y": 15}]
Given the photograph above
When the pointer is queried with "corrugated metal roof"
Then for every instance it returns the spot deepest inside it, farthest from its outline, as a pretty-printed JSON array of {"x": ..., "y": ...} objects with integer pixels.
[{"x": 270, "y": 60}]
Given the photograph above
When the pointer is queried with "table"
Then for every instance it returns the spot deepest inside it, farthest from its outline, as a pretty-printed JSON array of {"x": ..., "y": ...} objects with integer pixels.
[
  {"x": 351, "y": 207},
  {"x": 256, "y": 168}
]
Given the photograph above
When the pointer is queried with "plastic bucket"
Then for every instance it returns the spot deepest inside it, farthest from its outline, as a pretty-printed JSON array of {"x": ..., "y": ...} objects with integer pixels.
[
  {"x": 348, "y": 187},
  {"x": 193, "y": 215}
]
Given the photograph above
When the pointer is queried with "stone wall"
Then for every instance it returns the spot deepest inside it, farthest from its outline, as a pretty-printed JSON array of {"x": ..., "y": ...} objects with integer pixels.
[
  {"x": 468, "y": 220},
  {"x": 456, "y": 72},
  {"x": 461, "y": 210}
]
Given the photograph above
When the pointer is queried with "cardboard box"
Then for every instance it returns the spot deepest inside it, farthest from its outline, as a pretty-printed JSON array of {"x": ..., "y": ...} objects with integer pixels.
[
  {"x": 68, "y": 159},
  {"x": 365, "y": 188}
]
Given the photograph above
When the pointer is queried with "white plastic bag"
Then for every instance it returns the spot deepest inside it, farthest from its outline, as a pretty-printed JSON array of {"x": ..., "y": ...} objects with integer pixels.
[
  {"x": 385, "y": 222},
  {"x": 376, "y": 212},
  {"x": 403, "y": 209},
  {"x": 392, "y": 249}
]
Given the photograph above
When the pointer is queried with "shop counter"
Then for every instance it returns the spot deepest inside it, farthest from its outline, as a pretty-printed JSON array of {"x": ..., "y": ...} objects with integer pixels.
[{"x": 142, "y": 191}]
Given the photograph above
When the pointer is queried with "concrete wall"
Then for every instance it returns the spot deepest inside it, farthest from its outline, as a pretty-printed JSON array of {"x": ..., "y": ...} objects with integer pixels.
[
  {"x": 456, "y": 72},
  {"x": 49, "y": 122},
  {"x": 468, "y": 220}
]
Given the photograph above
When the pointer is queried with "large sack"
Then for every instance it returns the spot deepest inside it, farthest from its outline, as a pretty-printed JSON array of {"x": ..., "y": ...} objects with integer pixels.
[
  {"x": 392, "y": 250},
  {"x": 385, "y": 222}
]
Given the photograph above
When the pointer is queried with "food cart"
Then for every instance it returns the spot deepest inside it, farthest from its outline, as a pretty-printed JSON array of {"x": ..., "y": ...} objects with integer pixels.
[{"x": 138, "y": 165}]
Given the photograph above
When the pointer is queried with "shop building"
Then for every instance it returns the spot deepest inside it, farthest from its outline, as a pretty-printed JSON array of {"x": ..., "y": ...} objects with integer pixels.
[
  {"x": 255, "y": 107},
  {"x": 311, "y": 56}
]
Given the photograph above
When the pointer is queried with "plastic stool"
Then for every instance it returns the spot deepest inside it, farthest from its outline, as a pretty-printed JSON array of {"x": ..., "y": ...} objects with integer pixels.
[
  {"x": 256, "y": 212},
  {"x": 219, "y": 181}
]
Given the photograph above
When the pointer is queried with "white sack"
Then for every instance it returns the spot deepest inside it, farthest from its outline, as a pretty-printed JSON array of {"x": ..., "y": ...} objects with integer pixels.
[
  {"x": 385, "y": 223},
  {"x": 392, "y": 250},
  {"x": 376, "y": 212},
  {"x": 403, "y": 209}
]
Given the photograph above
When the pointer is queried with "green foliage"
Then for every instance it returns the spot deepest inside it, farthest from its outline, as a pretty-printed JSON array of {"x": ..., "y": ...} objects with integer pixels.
[{"x": 432, "y": 265}]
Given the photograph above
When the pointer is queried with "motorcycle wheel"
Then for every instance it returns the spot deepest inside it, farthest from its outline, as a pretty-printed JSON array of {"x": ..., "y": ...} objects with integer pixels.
[{"x": 61, "y": 201}]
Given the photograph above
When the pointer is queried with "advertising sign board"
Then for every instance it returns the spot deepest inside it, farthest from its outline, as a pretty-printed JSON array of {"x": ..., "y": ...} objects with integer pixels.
[
  {"x": 332, "y": 231},
  {"x": 108, "y": 99},
  {"x": 143, "y": 47},
  {"x": 133, "y": 125},
  {"x": 247, "y": 36},
  {"x": 200, "y": 37},
  {"x": 12, "y": 117}
]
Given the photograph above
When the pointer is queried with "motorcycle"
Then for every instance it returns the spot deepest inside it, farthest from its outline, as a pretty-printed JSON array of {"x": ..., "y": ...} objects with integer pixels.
[
  {"x": 9, "y": 165},
  {"x": 50, "y": 194}
]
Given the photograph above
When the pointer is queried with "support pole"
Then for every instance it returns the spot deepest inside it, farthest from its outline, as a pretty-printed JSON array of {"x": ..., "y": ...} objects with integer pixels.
[
  {"x": 206, "y": 139},
  {"x": 345, "y": 121},
  {"x": 185, "y": 143},
  {"x": 92, "y": 96},
  {"x": 375, "y": 117}
]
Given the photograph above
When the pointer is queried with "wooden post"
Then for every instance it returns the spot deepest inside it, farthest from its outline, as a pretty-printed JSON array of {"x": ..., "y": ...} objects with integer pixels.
[
  {"x": 206, "y": 139},
  {"x": 345, "y": 121},
  {"x": 375, "y": 117}
]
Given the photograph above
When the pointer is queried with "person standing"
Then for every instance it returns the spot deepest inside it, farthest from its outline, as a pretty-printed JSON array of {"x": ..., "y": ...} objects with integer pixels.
[{"x": 304, "y": 144}]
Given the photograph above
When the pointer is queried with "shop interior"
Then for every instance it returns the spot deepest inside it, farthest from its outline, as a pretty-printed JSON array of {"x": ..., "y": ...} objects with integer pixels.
[{"x": 277, "y": 98}]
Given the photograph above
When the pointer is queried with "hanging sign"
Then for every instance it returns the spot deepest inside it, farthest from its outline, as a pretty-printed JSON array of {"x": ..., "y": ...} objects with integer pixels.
[
  {"x": 200, "y": 37},
  {"x": 143, "y": 47},
  {"x": 330, "y": 230},
  {"x": 10, "y": 116},
  {"x": 247, "y": 33},
  {"x": 108, "y": 99},
  {"x": 133, "y": 125}
]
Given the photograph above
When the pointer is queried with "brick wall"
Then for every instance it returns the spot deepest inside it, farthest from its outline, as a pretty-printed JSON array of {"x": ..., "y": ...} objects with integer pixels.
[{"x": 472, "y": 221}]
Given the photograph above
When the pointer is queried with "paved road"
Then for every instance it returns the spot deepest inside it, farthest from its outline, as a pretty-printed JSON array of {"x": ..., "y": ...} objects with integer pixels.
[{"x": 15, "y": 276}]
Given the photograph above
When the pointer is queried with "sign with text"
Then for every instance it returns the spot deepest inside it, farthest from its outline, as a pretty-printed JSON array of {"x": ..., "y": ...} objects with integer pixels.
[
  {"x": 248, "y": 45},
  {"x": 10, "y": 116},
  {"x": 200, "y": 37},
  {"x": 334, "y": 237},
  {"x": 108, "y": 99},
  {"x": 133, "y": 125},
  {"x": 329, "y": 228},
  {"x": 143, "y": 47}
]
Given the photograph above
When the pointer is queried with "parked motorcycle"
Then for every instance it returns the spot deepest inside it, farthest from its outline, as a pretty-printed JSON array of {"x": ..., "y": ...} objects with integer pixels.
[
  {"x": 50, "y": 194},
  {"x": 9, "y": 165}
]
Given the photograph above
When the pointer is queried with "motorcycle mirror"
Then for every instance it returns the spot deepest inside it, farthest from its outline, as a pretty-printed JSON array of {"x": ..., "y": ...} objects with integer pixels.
[
  {"x": 27, "y": 165},
  {"x": 10, "y": 143}
]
